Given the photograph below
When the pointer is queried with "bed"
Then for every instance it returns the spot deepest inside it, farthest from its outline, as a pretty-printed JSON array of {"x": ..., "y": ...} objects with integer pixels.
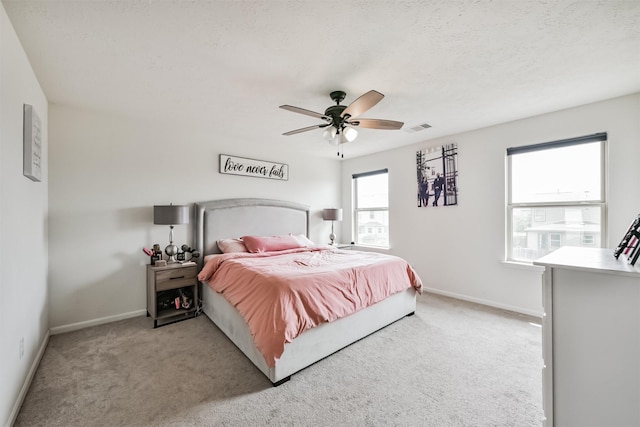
[{"x": 232, "y": 218}]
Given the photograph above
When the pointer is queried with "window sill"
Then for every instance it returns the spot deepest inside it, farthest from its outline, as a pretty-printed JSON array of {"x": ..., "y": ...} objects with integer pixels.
[{"x": 523, "y": 266}]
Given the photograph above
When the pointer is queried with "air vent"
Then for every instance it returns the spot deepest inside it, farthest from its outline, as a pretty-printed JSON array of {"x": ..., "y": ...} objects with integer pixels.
[{"x": 417, "y": 128}]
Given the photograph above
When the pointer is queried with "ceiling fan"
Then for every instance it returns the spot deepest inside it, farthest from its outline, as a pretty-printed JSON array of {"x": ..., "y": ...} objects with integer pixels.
[{"x": 341, "y": 120}]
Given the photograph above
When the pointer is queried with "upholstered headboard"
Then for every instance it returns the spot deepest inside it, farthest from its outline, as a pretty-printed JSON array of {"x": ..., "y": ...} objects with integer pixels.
[{"x": 233, "y": 218}]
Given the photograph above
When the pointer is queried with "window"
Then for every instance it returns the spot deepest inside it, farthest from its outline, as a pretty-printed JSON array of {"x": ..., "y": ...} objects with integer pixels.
[
  {"x": 371, "y": 208},
  {"x": 555, "y": 196},
  {"x": 540, "y": 215}
]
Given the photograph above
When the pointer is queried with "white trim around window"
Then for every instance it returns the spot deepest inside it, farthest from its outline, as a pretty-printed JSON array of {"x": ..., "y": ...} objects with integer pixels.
[{"x": 551, "y": 208}]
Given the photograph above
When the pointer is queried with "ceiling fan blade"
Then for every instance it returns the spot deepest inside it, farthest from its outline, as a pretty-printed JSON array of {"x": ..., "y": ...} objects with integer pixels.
[
  {"x": 376, "y": 124},
  {"x": 293, "y": 132},
  {"x": 305, "y": 112},
  {"x": 362, "y": 104}
]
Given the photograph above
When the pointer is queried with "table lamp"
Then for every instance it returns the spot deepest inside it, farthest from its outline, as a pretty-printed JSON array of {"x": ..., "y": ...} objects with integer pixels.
[
  {"x": 332, "y": 214},
  {"x": 171, "y": 215}
]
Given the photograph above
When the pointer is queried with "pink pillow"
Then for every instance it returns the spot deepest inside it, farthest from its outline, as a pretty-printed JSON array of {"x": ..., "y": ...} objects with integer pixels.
[
  {"x": 228, "y": 246},
  {"x": 270, "y": 243}
]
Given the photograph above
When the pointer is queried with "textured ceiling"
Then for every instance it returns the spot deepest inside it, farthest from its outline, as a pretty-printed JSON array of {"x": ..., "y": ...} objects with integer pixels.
[{"x": 226, "y": 66}]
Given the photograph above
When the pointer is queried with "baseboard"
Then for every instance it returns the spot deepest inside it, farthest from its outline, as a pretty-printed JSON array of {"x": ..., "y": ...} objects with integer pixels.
[
  {"x": 520, "y": 310},
  {"x": 94, "y": 322},
  {"x": 27, "y": 381}
]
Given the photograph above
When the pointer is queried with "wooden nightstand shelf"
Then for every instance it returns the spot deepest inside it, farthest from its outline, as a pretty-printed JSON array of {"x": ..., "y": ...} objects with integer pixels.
[{"x": 171, "y": 279}]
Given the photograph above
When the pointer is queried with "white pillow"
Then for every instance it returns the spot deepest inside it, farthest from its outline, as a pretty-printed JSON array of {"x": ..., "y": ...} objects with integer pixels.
[
  {"x": 228, "y": 246},
  {"x": 304, "y": 240}
]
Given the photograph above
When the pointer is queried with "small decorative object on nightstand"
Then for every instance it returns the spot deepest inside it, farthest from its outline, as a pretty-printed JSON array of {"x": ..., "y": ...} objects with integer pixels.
[{"x": 167, "y": 284}]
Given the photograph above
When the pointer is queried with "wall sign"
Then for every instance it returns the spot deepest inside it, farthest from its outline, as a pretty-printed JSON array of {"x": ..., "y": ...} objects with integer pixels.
[
  {"x": 249, "y": 167},
  {"x": 32, "y": 145}
]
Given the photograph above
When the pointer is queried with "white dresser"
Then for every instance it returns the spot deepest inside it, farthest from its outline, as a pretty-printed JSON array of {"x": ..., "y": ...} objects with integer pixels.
[{"x": 590, "y": 339}]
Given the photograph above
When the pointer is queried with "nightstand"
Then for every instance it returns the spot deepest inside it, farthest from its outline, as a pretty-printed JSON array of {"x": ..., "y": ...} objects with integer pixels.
[
  {"x": 166, "y": 283},
  {"x": 348, "y": 246}
]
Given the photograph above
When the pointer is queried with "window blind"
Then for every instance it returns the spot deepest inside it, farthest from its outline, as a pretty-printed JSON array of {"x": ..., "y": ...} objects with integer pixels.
[
  {"x": 371, "y": 173},
  {"x": 602, "y": 136}
]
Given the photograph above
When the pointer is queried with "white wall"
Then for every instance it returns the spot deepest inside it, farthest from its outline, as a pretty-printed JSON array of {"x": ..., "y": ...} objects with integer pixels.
[
  {"x": 106, "y": 173},
  {"x": 458, "y": 250},
  {"x": 23, "y": 226}
]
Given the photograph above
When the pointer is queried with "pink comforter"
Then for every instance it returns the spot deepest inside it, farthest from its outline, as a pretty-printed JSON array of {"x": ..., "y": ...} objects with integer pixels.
[{"x": 282, "y": 294}]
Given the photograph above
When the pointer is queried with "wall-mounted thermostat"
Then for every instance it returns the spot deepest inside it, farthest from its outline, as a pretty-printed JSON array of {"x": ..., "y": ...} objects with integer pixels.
[{"x": 32, "y": 144}]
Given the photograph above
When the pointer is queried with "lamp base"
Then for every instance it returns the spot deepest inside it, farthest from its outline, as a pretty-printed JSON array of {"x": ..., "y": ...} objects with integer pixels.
[
  {"x": 171, "y": 250},
  {"x": 332, "y": 238}
]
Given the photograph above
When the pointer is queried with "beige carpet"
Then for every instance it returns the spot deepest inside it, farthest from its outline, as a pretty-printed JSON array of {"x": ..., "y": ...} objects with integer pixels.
[{"x": 453, "y": 364}]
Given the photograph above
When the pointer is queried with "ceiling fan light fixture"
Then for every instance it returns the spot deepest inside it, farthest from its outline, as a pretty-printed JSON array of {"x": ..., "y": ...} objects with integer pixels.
[
  {"x": 330, "y": 133},
  {"x": 350, "y": 134},
  {"x": 337, "y": 137},
  {"x": 338, "y": 118}
]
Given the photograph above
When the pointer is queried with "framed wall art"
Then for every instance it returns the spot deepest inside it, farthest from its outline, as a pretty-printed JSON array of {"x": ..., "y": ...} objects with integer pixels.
[
  {"x": 629, "y": 246},
  {"x": 437, "y": 176},
  {"x": 32, "y": 144}
]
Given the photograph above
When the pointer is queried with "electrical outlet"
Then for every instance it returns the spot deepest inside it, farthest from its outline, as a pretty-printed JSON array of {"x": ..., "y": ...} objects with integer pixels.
[{"x": 21, "y": 347}]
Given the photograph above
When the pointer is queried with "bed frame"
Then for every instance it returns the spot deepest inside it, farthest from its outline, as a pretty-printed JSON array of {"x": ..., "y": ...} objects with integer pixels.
[{"x": 232, "y": 218}]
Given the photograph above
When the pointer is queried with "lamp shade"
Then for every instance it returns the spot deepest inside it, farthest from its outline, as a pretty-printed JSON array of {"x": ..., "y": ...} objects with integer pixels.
[
  {"x": 332, "y": 214},
  {"x": 171, "y": 215}
]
